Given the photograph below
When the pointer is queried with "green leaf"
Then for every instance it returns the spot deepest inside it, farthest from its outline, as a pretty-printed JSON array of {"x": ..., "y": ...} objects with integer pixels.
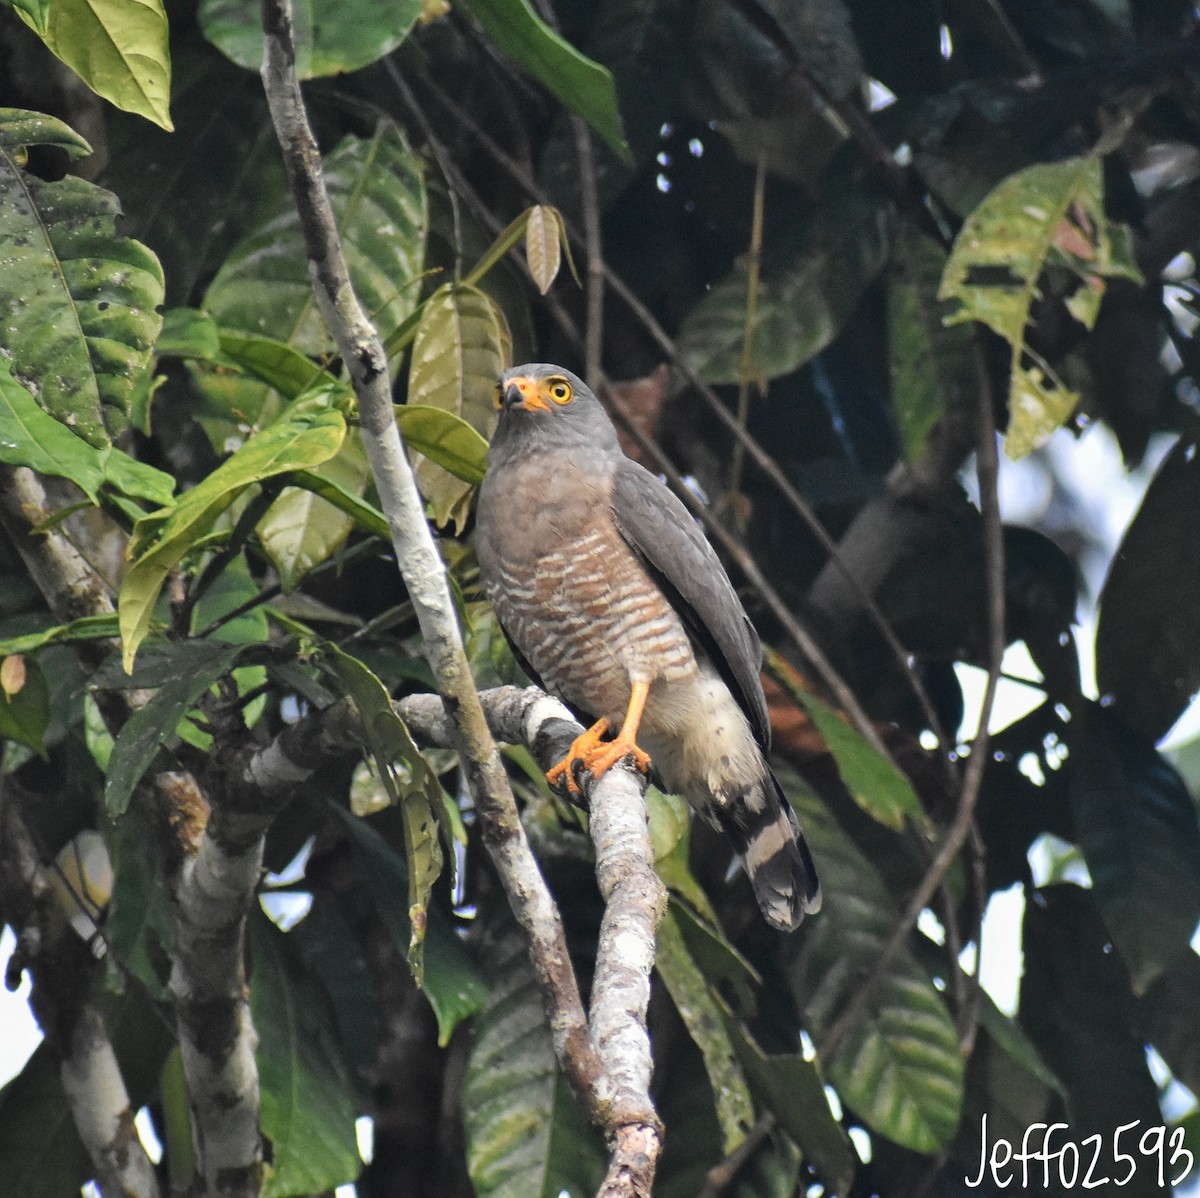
[
  {"x": 138, "y": 741},
  {"x": 86, "y": 628},
  {"x": 462, "y": 345},
  {"x": 188, "y": 333},
  {"x": 703, "y": 1019},
  {"x": 669, "y": 826},
  {"x": 30, "y": 437},
  {"x": 791, "y": 1088},
  {"x": 78, "y": 304},
  {"x": 378, "y": 197},
  {"x": 1049, "y": 213},
  {"x": 136, "y": 479},
  {"x": 525, "y": 1136},
  {"x": 277, "y": 364},
  {"x": 802, "y": 302},
  {"x": 307, "y": 434},
  {"x": 365, "y": 515},
  {"x": 446, "y": 439},
  {"x": 410, "y": 784},
  {"x": 451, "y": 983},
  {"x": 875, "y": 784},
  {"x": 1147, "y": 640},
  {"x": 933, "y": 366},
  {"x": 901, "y": 1069},
  {"x": 307, "y": 1099},
  {"x": 331, "y": 36},
  {"x": 1137, "y": 827},
  {"x": 329, "y": 941},
  {"x": 581, "y": 84},
  {"x": 302, "y": 529},
  {"x": 192, "y": 194},
  {"x": 41, "y": 1154},
  {"x": 25, "y": 715},
  {"x": 117, "y": 47},
  {"x": 139, "y": 924}
]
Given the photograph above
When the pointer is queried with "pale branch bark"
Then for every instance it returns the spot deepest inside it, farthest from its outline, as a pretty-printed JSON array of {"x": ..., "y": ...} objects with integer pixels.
[
  {"x": 424, "y": 574},
  {"x": 634, "y": 902},
  {"x": 58, "y": 960}
]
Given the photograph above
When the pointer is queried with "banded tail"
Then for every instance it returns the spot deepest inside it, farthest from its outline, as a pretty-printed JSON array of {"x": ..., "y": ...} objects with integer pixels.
[{"x": 772, "y": 848}]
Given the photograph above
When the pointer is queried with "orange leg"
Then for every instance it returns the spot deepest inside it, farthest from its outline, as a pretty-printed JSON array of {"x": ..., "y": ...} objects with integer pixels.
[{"x": 597, "y": 755}]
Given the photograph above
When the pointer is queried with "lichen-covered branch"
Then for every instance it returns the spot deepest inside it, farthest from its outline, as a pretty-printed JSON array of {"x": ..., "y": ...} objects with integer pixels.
[
  {"x": 57, "y": 959},
  {"x": 634, "y": 902}
]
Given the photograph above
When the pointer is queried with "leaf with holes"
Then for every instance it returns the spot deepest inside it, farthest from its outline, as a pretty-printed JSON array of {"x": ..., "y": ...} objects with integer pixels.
[
  {"x": 462, "y": 345},
  {"x": 525, "y": 1136},
  {"x": 307, "y": 1099},
  {"x": 117, "y": 47},
  {"x": 78, "y": 303},
  {"x": 899, "y": 1068},
  {"x": 1049, "y": 214},
  {"x": 1138, "y": 830},
  {"x": 263, "y": 290}
]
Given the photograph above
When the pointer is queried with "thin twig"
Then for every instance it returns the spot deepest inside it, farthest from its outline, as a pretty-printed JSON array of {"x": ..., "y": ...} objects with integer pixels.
[
  {"x": 988, "y": 469},
  {"x": 723, "y": 1174},
  {"x": 747, "y": 372},
  {"x": 593, "y": 338}
]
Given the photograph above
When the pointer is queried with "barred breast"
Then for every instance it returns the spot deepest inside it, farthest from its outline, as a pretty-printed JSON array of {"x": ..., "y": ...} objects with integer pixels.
[{"x": 573, "y": 597}]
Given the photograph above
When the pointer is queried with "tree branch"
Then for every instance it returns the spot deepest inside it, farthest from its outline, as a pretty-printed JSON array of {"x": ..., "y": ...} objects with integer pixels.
[
  {"x": 634, "y": 902},
  {"x": 57, "y": 958}
]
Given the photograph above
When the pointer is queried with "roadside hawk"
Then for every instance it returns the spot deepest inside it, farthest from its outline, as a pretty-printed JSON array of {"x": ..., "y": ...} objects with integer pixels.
[{"x": 615, "y": 602}]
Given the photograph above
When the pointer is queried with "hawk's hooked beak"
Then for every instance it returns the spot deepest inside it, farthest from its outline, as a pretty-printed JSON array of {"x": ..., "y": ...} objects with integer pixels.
[{"x": 524, "y": 393}]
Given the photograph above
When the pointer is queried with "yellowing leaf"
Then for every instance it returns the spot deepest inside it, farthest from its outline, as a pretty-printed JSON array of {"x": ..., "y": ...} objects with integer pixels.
[
  {"x": 117, "y": 47},
  {"x": 543, "y": 245},
  {"x": 308, "y": 434},
  {"x": 1053, "y": 212},
  {"x": 12, "y": 675},
  {"x": 461, "y": 346}
]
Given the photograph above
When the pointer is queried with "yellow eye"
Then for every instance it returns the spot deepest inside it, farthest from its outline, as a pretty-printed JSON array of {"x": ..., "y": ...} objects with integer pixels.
[
  {"x": 560, "y": 391},
  {"x": 499, "y": 396}
]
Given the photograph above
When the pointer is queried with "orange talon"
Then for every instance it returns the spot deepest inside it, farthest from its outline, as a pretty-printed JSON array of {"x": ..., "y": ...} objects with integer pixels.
[
  {"x": 581, "y": 747},
  {"x": 597, "y": 756}
]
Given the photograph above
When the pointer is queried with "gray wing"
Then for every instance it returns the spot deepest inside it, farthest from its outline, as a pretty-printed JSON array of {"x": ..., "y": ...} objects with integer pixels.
[{"x": 661, "y": 531}]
